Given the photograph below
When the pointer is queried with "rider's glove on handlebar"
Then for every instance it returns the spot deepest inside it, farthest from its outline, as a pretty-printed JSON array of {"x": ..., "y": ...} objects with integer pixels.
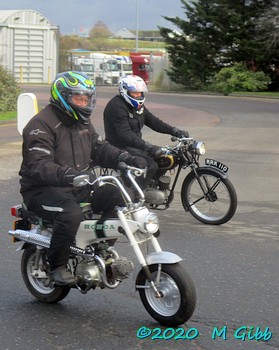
[
  {"x": 69, "y": 176},
  {"x": 179, "y": 133},
  {"x": 155, "y": 151},
  {"x": 159, "y": 153},
  {"x": 137, "y": 162}
]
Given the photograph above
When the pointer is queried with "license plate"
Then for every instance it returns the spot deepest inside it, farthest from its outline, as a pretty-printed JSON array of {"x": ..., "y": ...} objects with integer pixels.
[{"x": 215, "y": 164}]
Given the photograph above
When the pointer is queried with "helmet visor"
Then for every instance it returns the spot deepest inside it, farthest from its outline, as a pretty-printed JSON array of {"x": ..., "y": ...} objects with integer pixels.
[
  {"x": 137, "y": 95},
  {"x": 137, "y": 86},
  {"x": 83, "y": 99}
]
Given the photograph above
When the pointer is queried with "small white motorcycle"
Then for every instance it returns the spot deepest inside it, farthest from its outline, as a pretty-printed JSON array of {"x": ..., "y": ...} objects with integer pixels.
[{"x": 165, "y": 288}]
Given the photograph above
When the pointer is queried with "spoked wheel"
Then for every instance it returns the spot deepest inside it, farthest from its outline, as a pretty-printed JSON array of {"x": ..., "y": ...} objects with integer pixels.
[
  {"x": 210, "y": 198},
  {"x": 37, "y": 281},
  {"x": 177, "y": 300}
]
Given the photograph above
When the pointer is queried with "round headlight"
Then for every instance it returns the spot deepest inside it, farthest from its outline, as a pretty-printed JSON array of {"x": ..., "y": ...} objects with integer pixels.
[
  {"x": 200, "y": 148},
  {"x": 151, "y": 223},
  {"x": 197, "y": 147}
]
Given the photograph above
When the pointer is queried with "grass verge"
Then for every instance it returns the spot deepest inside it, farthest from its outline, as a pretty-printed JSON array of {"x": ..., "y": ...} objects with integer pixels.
[{"x": 6, "y": 116}]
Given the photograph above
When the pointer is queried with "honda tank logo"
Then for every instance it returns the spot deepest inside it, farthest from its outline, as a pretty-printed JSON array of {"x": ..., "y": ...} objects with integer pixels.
[{"x": 98, "y": 227}]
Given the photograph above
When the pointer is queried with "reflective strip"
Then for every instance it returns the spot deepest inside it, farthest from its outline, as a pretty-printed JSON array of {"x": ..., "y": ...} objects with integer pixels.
[
  {"x": 39, "y": 149},
  {"x": 59, "y": 209}
]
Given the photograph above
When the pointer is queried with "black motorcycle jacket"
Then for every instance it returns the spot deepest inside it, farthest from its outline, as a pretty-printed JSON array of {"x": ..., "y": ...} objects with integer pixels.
[
  {"x": 52, "y": 143},
  {"x": 123, "y": 124}
]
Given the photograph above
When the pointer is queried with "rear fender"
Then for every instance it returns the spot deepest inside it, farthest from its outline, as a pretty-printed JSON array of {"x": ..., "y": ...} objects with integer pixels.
[{"x": 22, "y": 245}]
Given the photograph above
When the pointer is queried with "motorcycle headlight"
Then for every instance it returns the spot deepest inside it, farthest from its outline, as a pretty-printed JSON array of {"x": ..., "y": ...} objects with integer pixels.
[
  {"x": 198, "y": 147},
  {"x": 151, "y": 223}
]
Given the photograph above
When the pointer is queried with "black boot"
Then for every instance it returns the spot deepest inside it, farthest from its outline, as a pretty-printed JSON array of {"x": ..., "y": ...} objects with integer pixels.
[{"x": 62, "y": 276}]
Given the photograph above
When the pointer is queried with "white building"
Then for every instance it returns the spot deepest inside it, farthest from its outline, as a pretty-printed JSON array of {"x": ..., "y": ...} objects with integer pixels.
[
  {"x": 28, "y": 46},
  {"x": 124, "y": 33}
]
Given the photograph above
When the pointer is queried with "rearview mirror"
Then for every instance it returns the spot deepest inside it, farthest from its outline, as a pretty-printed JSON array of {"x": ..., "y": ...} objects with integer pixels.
[{"x": 81, "y": 180}]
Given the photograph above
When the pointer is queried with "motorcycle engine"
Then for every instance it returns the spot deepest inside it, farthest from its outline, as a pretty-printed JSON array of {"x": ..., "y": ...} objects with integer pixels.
[
  {"x": 88, "y": 272},
  {"x": 154, "y": 196},
  {"x": 121, "y": 268},
  {"x": 164, "y": 182}
]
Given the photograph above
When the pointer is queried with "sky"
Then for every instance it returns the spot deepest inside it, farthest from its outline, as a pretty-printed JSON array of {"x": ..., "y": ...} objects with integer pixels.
[{"x": 78, "y": 16}]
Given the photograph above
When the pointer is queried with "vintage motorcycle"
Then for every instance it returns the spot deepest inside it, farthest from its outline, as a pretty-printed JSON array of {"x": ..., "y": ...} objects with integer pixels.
[
  {"x": 206, "y": 191},
  {"x": 165, "y": 288}
]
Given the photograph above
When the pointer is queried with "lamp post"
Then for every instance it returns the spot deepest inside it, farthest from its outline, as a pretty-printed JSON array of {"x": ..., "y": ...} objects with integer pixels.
[{"x": 137, "y": 24}]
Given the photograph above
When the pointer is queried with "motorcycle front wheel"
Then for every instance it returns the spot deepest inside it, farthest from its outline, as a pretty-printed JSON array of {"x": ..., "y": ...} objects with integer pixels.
[
  {"x": 37, "y": 281},
  {"x": 177, "y": 300},
  {"x": 209, "y": 197}
]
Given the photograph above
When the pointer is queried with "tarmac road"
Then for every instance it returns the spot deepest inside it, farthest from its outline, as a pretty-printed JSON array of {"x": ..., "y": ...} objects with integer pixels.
[{"x": 234, "y": 266}]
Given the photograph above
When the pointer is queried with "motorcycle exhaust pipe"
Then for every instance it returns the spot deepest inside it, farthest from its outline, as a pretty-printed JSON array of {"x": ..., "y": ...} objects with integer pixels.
[
  {"x": 31, "y": 237},
  {"x": 43, "y": 241}
]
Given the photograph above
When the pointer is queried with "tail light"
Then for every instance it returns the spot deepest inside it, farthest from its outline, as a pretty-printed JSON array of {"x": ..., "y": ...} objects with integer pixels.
[{"x": 16, "y": 210}]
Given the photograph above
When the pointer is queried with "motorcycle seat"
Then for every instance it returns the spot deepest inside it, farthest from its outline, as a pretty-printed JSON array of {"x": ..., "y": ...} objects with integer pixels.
[
  {"x": 37, "y": 220},
  {"x": 33, "y": 218}
]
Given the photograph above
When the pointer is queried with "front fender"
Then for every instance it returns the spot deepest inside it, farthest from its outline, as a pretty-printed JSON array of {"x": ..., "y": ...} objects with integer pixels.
[
  {"x": 156, "y": 258},
  {"x": 162, "y": 258},
  {"x": 210, "y": 170}
]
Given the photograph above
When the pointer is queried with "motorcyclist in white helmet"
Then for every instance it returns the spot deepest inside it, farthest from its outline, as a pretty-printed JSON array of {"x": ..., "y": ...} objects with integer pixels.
[{"x": 124, "y": 117}]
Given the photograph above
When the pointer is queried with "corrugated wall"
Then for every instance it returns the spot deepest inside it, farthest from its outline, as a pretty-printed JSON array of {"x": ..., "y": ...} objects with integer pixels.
[{"x": 28, "y": 46}]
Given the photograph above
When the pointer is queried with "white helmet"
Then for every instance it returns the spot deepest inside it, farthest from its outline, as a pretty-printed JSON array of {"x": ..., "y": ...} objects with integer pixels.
[{"x": 132, "y": 83}]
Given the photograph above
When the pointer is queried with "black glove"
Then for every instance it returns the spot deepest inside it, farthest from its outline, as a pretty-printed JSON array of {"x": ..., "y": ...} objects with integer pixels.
[
  {"x": 69, "y": 176},
  {"x": 155, "y": 151},
  {"x": 179, "y": 133},
  {"x": 137, "y": 162}
]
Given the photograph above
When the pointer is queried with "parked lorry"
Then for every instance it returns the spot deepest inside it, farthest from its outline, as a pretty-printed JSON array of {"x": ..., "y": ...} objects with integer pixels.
[
  {"x": 103, "y": 69},
  {"x": 141, "y": 66},
  {"x": 85, "y": 65}
]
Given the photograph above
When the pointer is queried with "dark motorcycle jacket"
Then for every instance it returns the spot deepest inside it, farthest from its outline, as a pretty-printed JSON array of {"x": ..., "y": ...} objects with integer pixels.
[
  {"x": 123, "y": 124},
  {"x": 53, "y": 142}
]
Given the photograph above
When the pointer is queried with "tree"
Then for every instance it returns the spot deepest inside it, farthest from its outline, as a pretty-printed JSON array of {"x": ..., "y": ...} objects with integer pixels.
[
  {"x": 99, "y": 31},
  {"x": 215, "y": 34},
  {"x": 9, "y": 91},
  {"x": 68, "y": 43},
  {"x": 268, "y": 25},
  {"x": 239, "y": 78}
]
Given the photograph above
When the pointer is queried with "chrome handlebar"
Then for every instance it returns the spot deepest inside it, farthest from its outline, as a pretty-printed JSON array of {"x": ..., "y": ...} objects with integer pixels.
[{"x": 132, "y": 173}]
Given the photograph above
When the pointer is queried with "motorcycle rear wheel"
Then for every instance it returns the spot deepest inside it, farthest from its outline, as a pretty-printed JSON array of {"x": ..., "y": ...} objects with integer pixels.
[
  {"x": 40, "y": 288},
  {"x": 219, "y": 202},
  {"x": 178, "y": 300}
]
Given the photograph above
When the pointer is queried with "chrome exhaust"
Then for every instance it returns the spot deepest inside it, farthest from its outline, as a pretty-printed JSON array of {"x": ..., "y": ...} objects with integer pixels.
[
  {"x": 31, "y": 237},
  {"x": 44, "y": 241}
]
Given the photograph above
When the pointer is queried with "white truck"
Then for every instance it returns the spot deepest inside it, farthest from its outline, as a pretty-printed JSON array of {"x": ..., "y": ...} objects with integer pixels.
[
  {"x": 103, "y": 69},
  {"x": 124, "y": 65},
  {"x": 85, "y": 65}
]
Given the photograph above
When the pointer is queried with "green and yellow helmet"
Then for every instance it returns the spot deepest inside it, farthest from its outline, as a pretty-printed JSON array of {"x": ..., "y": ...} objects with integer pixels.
[{"x": 67, "y": 87}]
